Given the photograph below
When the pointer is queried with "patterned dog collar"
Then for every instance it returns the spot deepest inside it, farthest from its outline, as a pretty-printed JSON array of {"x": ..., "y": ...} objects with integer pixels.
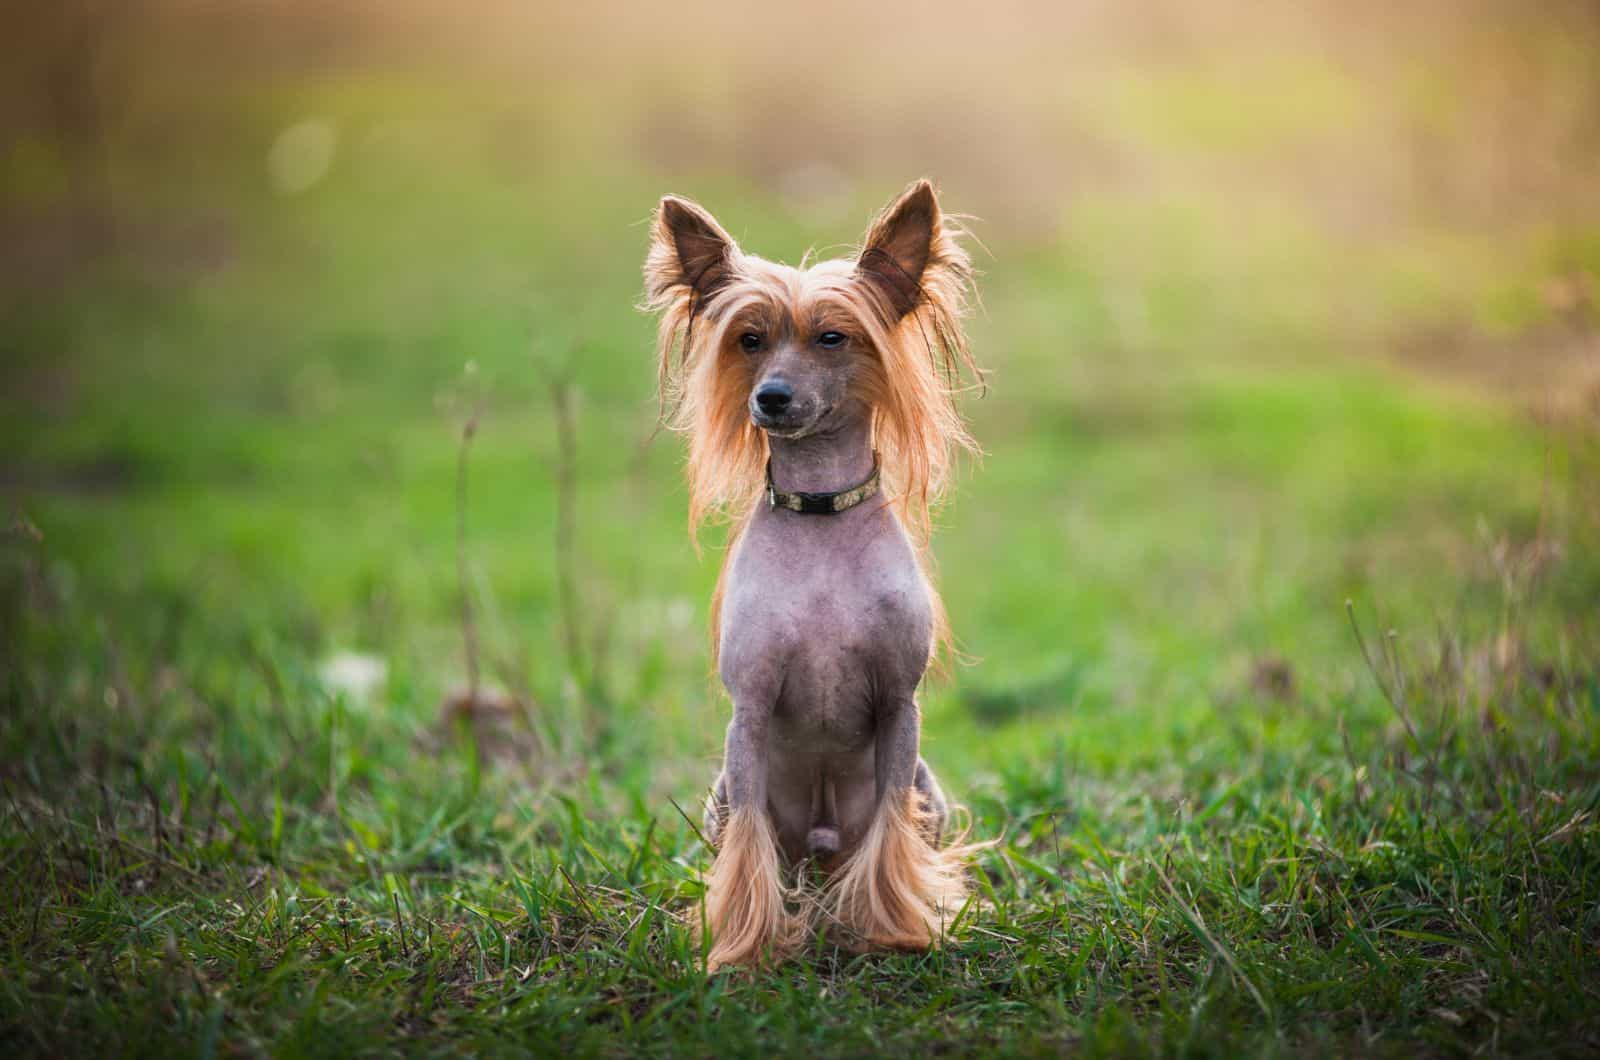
[{"x": 822, "y": 503}]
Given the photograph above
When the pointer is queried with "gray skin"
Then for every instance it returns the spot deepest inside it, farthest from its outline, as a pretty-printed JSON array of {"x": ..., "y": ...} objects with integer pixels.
[{"x": 825, "y": 631}]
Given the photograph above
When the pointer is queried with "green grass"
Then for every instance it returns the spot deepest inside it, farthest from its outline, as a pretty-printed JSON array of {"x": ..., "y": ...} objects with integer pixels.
[{"x": 1221, "y": 828}]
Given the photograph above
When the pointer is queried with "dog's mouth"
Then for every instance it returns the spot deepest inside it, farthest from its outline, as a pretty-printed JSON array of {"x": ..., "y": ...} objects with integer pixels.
[{"x": 787, "y": 425}]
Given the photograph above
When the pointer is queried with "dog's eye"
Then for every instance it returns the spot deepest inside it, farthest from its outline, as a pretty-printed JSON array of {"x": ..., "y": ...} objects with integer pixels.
[
  {"x": 831, "y": 340},
  {"x": 750, "y": 342}
]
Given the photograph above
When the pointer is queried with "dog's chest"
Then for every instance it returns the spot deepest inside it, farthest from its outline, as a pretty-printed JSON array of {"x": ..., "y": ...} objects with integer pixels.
[{"x": 824, "y": 617}]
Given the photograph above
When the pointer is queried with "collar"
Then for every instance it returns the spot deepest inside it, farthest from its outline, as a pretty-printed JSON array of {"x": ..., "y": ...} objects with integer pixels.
[{"x": 822, "y": 503}]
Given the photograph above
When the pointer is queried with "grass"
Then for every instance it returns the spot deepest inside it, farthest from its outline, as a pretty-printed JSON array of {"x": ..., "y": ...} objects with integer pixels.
[
  {"x": 219, "y": 854},
  {"x": 1234, "y": 815}
]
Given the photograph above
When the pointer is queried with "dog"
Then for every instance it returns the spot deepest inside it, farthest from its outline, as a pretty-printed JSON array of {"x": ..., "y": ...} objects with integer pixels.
[{"x": 820, "y": 408}]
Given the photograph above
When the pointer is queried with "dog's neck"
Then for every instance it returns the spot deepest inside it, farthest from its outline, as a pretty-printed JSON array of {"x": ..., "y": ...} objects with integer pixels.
[{"x": 824, "y": 462}]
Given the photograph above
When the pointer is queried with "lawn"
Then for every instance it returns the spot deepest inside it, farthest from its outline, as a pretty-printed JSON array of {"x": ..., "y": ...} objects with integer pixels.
[{"x": 1281, "y": 696}]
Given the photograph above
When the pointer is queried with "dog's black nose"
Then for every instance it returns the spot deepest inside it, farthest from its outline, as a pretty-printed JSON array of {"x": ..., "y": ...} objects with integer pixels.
[{"x": 773, "y": 398}]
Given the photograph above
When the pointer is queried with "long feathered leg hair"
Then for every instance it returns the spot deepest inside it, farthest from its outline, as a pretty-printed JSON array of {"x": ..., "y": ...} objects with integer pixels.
[
  {"x": 902, "y": 887},
  {"x": 747, "y": 912}
]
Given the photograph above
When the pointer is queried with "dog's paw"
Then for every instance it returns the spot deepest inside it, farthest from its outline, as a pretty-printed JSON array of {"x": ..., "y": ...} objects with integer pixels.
[{"x": 822, "y": 842}]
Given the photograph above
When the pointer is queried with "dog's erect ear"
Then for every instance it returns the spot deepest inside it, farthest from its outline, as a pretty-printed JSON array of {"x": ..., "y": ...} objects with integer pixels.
[
  {"x": 898, "y": 246},
  {"x": 688, "y": 249}
]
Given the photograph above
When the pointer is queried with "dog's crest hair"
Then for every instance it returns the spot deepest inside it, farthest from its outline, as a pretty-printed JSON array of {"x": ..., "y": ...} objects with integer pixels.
[{"x": 906, "y": 289}]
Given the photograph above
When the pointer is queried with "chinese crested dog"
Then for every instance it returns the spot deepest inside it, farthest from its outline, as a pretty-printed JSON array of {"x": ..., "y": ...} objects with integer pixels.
[{"x": 819, "y": 403}]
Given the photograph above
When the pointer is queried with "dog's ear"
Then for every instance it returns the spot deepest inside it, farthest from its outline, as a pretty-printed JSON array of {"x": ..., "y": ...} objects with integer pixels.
[
  {"x": 688, "y": 249},
  {"x": 898, "y": 247}
]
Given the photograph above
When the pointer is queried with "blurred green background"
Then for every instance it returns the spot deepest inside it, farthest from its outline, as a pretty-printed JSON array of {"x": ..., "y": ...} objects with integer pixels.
[
  {"x": 1281, "y": 307},
  {"x": 1275, "y": 305}
]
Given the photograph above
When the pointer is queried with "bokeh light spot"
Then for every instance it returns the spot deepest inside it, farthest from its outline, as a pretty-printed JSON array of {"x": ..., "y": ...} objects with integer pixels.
[{"x": 302, "y": 155}]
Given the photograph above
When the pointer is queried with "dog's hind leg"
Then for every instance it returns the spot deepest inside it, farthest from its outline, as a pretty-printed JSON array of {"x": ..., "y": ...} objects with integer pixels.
[{"x": 935, "y": 807}]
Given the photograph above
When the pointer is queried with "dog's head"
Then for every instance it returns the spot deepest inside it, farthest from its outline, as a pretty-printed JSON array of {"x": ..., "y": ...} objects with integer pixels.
[{"x": 751, "y": 348}]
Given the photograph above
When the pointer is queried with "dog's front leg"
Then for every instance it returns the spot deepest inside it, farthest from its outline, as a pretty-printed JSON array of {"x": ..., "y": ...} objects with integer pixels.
[
  {"x": 898, "y": 889},
  {"x": 899, "y": 765},
  {"x": 895, "y": 755},
  {"x": 744, "y": 755},
  {"x": 745, "y": 904}
]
